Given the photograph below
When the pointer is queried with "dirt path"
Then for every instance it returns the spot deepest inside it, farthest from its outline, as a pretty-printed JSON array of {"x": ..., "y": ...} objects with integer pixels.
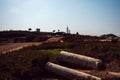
[
  {"x": 53, "y": 39},
  {"x": 8, "y": 47}
]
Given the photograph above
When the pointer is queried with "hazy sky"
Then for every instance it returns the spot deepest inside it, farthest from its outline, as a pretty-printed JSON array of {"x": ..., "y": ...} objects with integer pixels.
[{"x": 83, "y": 16}]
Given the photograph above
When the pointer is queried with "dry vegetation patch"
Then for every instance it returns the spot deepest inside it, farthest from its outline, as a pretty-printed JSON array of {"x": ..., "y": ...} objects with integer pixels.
[{"x": 28, "y": 63}]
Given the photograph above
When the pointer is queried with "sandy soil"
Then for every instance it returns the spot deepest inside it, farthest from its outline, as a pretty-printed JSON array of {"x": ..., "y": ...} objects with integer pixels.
[{"x": 54, "y": 39}]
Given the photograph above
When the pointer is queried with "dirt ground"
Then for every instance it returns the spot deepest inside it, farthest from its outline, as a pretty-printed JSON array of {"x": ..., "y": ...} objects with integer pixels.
[{"x": 8, "y": 47}]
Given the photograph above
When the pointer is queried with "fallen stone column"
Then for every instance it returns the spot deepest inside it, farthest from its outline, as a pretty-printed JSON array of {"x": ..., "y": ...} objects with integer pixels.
[
  {"x": 69, "y": 73},
  {"x": 113, "y": 75},
  {"x": 80, "y": 60}
]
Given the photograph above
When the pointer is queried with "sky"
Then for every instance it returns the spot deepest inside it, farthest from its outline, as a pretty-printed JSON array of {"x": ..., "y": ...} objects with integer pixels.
[{"x": 91, "y": 17}]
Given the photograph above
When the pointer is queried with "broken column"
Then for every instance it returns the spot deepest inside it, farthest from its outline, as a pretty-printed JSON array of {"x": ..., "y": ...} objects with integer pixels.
[
  {"x": 69, "y": 73},
  {"x": 113, "y": 75},
  {"x": 80, "y": 60}
]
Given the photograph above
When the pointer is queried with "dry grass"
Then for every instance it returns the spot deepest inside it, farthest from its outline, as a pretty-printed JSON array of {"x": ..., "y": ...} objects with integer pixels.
[{"x": 28, "y": 63}]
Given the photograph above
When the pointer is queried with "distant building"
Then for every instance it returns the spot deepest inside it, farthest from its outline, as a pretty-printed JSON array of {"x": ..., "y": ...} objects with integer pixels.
[
  {"x": 38, "y": 30},
  {"x": 68, "y": 30}
]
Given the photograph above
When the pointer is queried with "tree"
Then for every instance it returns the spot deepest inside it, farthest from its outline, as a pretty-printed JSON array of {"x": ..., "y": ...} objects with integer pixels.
[
  {"x": 58, "y": 30},
  {"x": 77, "y": 33},
  {"x": 29, "y": 29},
  {"x": 53, "y": 31}
]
